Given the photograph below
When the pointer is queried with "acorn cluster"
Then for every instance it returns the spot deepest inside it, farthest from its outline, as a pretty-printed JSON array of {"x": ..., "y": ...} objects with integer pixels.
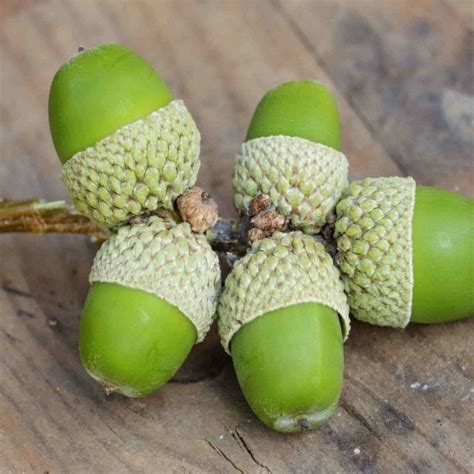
[
  {"x": 130, "y": 155},
  {"x": 129, "y": 152}
]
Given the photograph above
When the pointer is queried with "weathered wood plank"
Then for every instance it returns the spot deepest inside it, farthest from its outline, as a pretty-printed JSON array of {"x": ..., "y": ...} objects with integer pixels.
[
  {"x": 9, "y": 7},
  {"x": 464, "y": 10},
  {"x": 406, "y": 67},
  {"x": 221, "y": 57}
]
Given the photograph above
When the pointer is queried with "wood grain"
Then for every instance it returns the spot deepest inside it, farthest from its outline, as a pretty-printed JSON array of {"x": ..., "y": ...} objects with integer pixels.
[
  {"x": 407, "y": 69},
  {"x": 402, "y": 75}
]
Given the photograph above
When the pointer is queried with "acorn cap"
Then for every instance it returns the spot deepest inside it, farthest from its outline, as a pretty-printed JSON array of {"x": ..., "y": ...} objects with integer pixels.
[
  {"x": 280, "y": 271},
  {"x": 142, "y": 166},
  {"x": 167, "y": 260},
  {"x": 374, "y": 241},
  {"x": 304, "y": 179}
]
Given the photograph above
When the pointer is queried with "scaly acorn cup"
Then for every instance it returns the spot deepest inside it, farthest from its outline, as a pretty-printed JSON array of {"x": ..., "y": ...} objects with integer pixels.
[
  {"x": 126, "y": 146},
  {"x": 291, "y": 154},
  {"x": 280, "y": 318},
  {"x": 406, "y": 252},
  {"x": 154, "y": 291}
]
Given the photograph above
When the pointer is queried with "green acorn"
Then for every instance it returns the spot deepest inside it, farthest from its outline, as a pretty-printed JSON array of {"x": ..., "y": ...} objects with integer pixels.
[
  {"x": 154, "y": 290},
  {"x": 291, "y": 154},
  {"x": 406, "y": 252},
  {"x": 126, "y": 146},
  {"x": 280, "y": 318}
]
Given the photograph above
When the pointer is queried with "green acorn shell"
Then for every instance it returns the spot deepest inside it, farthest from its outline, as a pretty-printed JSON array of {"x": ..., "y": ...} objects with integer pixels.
[
  {"x": 167, "y": 260},
  {"x": 374, "y": 241},
  {"x": 280, "y": 271},
  {"x": 304, "y": 179},
  {"x": 140, "y": 167}
]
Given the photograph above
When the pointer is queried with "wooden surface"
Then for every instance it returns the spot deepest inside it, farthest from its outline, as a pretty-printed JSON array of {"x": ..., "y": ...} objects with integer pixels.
[{"x": 402, "y": 75}]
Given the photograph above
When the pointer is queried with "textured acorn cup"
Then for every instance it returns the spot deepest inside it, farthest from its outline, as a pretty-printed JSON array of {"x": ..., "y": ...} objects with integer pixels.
[
  {"x": 154, "y": 290},
  {"x": 291, "y": 153},
  {"x": 406, "y": 252},
  {"x": 280, "y": 317},
  {"x": 126, "y": 146}
]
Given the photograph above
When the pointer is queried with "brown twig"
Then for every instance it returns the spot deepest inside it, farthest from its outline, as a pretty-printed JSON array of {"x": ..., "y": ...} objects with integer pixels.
[
  {"x": 228, "y": 237},
  {"x": 40, "y": 217}
]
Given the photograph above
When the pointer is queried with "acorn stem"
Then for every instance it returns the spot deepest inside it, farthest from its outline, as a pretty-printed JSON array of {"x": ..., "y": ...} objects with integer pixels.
[{"x": 37, "y": 216}]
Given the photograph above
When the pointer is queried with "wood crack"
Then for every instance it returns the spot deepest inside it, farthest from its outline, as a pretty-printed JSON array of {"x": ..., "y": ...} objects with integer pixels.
[
  {"x": 223, "y": 455},
  {"x": 22, "y": 312},
  {"x": 9, "y": 336},
  {"x": 8, "y": 288},
  {"x": 395, "y": 418},
  {"x": 351, "y": 411},
  {"x": 243, "y": 444},
  {"x": 15, "y": 291}
]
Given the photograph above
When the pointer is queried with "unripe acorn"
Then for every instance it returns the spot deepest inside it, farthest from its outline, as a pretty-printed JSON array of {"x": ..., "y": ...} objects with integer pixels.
[
  {"x": 154, "y": 290},
  {"x": 126, "y": 146},
  {"x": 280, "y": 318},
  {"x": 406, "y": 252},
  {"x": 291, "y": 154}
]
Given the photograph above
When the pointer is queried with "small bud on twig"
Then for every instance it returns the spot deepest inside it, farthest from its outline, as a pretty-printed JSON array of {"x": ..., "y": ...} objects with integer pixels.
[
  {"x": 264, "y": 224},
  {"x": 268, "y": 220},
  {"x": 257, "y": 234},
  {"x": 259, "y": 203},
  {"x": 198, "y": 208}
]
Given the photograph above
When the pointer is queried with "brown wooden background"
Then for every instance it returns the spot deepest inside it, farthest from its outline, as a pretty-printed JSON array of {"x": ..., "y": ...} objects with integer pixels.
[{"x": 402, "y": 72}]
